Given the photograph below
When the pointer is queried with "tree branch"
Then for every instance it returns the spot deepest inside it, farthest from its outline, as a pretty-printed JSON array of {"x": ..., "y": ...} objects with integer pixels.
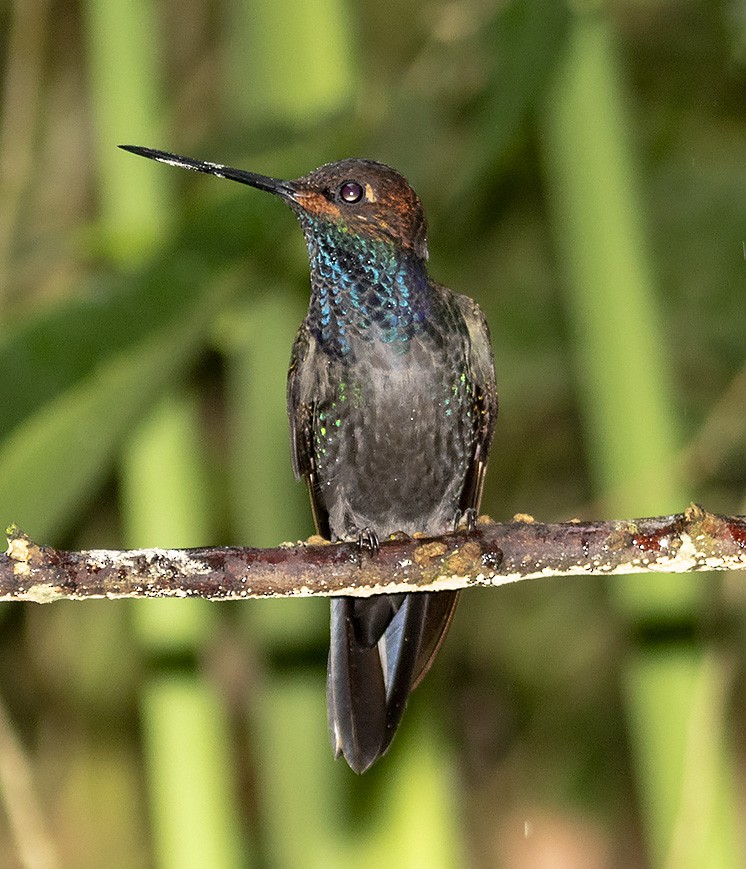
[{"x": 493, "y": 554}]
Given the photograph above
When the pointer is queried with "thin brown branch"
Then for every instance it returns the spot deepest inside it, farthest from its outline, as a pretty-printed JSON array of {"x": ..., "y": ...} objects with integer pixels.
[{"x": 493, "y": 554}]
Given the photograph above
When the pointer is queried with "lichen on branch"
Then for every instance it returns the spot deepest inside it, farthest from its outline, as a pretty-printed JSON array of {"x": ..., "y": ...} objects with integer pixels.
[{"x": 491, "y": 555}]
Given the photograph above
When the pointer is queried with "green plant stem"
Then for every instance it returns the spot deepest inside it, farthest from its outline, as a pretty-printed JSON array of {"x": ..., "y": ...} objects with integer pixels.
[
  {"x": 186, "y": 734},
  {"x": 124, "y": 75},
  {"x": 632, "y": 432}
]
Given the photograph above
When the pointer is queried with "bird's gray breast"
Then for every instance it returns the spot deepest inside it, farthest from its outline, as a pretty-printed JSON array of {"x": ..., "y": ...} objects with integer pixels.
[{"x": 393, "y": 436}]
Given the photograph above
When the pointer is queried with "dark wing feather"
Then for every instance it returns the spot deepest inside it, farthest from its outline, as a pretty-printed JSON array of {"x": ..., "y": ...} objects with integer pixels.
[
  {"x": 482, "y": 365},
  {"x": 301, "y": 406}
]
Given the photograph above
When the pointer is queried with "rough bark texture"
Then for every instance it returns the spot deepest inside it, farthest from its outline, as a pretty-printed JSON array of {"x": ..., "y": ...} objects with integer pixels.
[{"x": 494, "y": 554}]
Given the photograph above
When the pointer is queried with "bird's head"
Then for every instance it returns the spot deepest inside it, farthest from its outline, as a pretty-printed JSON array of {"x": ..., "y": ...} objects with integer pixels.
[{"x": 366, "y": 198}]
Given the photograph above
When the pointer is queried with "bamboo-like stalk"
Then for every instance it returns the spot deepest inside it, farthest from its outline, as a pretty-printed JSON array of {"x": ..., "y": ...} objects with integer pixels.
[
  {"x": 186, "y": 734},
  {"x": 124, "y": 86},
  {"x": 21, "y": 100},
  {"x": 632, "y": 434}
]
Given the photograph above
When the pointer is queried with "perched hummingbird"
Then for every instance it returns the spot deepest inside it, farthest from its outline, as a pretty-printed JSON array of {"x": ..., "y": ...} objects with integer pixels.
[{"x": 392, "y": 404}]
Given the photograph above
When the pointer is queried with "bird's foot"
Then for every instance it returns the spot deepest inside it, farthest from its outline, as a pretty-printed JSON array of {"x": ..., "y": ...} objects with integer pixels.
[
  {"x": 467, "y": 518},
  {"x": 367, "y": 539}
]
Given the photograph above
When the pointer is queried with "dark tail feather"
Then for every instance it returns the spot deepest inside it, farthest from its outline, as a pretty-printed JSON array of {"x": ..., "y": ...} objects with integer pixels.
[
  {"x": 355, "y": 691},
  {"x": 440, "y": 611},
  {"x": 368, "y": 681}
]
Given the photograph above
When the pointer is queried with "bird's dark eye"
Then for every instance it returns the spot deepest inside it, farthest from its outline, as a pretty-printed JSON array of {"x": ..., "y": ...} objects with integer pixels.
[{"x": 351, "y": 192}]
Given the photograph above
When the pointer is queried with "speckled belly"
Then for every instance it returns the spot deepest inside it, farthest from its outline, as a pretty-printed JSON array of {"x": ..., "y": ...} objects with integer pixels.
[{"x": 393, "y": 447}]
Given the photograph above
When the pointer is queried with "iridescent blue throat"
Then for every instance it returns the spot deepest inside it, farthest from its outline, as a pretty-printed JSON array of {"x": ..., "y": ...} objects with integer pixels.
[{"x": 364, "y": 288}]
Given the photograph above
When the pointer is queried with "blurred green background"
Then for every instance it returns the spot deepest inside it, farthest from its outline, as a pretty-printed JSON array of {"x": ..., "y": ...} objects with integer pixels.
[{"x": 583, "y": 169}]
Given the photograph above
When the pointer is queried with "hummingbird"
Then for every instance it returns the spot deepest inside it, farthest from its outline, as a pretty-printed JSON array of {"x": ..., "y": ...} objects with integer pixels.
[{"x": 392, "y": 403}]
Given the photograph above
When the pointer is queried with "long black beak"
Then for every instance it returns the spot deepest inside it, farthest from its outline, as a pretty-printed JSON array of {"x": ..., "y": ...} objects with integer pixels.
[{"x": 285, "y": 189}]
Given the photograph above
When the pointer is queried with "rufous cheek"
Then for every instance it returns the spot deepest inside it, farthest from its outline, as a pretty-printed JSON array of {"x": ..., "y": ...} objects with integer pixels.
[{"x": 317, "y": 204}]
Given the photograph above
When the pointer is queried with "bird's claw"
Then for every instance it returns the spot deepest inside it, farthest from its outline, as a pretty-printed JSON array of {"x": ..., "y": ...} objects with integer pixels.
[
  {"x": 367, "y": 539},
  {"x": 467, "y": 517}
]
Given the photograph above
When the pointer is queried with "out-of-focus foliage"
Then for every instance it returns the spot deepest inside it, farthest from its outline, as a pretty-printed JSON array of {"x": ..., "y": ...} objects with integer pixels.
[{"x": 514, "y": 751}]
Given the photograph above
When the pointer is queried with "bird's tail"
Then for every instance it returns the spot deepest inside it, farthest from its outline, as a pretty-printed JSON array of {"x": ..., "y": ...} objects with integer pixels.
[{"x": 380, "y": 649}]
